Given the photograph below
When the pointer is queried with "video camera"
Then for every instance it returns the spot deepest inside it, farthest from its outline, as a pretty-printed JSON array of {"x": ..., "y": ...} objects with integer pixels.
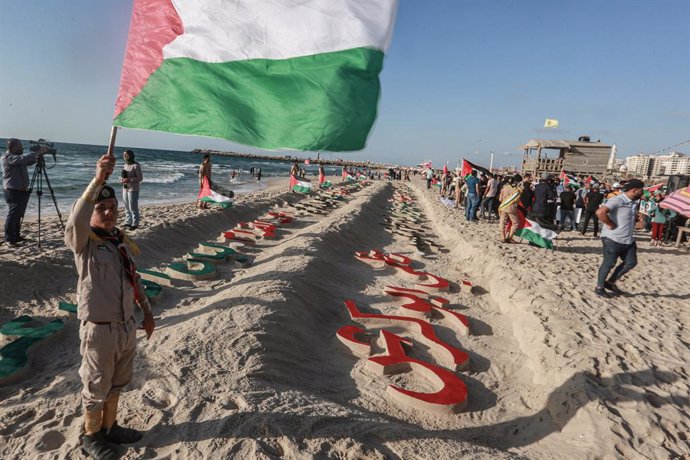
[{"x": 35, "y": 146}]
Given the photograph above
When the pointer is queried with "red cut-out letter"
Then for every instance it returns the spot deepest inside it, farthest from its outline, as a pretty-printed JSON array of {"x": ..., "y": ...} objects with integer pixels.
[
  {"x": 451, "y": 395},
  {"x": 446, "y": 354}
]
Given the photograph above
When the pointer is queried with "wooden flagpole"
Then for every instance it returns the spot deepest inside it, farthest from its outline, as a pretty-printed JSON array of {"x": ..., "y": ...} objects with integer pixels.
[{"x": 111, "y": 145}]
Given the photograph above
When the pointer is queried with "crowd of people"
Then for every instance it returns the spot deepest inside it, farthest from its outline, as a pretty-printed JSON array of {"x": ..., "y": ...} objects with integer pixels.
[{"x": 610, "y": 210}]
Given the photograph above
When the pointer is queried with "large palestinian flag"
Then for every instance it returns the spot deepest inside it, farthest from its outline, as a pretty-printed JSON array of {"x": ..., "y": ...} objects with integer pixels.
[
  {"x": 467, "y": 168},
  {"x": 300, "y": 74}
]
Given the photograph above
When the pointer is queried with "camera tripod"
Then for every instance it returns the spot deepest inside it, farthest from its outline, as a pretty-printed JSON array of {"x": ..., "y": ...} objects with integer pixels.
[{"x": 39, "y": 174}]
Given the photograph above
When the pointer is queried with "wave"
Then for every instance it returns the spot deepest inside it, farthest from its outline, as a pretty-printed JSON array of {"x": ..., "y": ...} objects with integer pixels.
[{"x": 169, "y": 178}]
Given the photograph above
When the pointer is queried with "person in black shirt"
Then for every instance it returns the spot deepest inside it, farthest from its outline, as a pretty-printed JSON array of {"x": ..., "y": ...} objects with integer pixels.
[
  {"x": 567, "y": 203},
  {"x": 527, "y": 196},
  {"x": 592, "y": 202}
]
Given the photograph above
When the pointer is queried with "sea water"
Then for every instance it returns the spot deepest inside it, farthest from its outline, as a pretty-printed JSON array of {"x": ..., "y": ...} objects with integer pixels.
[{"x": 169, "y": 176}]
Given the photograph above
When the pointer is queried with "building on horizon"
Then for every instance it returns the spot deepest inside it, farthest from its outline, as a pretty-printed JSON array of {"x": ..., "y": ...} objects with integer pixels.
[{"x": 647, "y": 166}]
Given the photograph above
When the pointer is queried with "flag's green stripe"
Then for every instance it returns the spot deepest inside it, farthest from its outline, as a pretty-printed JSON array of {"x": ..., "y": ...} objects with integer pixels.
[
  {"x": 301, "y": 189},
  {"x": 222, "y": 204},
  {"x": 534, "y": 238},
  {"x": 320, "y": 102}
]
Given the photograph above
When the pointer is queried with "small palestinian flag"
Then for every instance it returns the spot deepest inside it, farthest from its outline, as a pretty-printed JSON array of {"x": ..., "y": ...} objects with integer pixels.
[
  {"x": 649, "y": 191},
  {"x": 569, "y": 179},
  {"x": 300, "y": 186},
  {"x": 209, "y": 195}
]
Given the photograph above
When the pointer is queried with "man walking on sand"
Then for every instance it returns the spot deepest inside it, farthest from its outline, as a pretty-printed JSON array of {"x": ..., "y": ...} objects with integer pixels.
[
  {"x": 618, "y": 215},
  {"x": 108, "y": 289}
]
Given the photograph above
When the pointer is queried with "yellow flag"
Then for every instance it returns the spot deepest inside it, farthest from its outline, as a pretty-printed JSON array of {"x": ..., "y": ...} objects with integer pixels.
[{"x": 549, "y": 123}]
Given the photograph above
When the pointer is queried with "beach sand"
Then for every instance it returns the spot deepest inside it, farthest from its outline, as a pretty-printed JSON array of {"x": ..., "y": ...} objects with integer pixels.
[{"x": 248, "y": 365}]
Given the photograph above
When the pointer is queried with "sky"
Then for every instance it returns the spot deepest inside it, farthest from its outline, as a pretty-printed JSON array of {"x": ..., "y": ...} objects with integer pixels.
[{"x": 461, "y": 78}]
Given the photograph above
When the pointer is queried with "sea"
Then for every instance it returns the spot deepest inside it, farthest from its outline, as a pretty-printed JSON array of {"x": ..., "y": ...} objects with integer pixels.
[{"x": 169, "y": 175}]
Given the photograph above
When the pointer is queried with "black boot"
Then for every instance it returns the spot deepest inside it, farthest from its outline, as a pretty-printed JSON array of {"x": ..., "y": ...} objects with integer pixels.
[
  {"x": 98, "y": 448},
  {"x": 120, "y": 435}
]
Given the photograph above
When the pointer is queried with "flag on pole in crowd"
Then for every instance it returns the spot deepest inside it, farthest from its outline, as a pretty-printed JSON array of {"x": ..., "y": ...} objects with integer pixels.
[
  {"x": 535, "y": 233},
  {"x": 300, "y": 74},
  {"x": 550, "y": 123},
  {"x": 569, "y": 179},
  {"x": 209, "y": 195},
  {"x": 467, "y": 168},
  {"x": 678, "y": 201},
  {"x": 299, "y": 186},
  {"x": 649, "y": 191}
]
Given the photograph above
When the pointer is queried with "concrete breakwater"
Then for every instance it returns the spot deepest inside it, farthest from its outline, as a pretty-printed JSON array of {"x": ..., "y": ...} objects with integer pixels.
[{"x": 289, "y": 158}]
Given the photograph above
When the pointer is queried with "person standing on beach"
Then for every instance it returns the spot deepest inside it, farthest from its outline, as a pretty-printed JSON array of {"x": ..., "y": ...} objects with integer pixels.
[
  {"x": 567, "y": 205},
  {"x": 580, "y": 194},
  {"x": 472, "y": 197},
  {"x": 593, "y": 200},
  {"x": 457, "y": 182},
  {"x": 659, "y": 218},
  {"x": 108, "y": 289},
  {"x": 489, "y": 197},
  {"x": 258, "y": 174},
  {"x": 618, "y": 215},
  {"x": 508, "y": 209},
  {"x": 527, "y": 196},
  {"x": 15, "y": 184},
  {"x": 204, "y": 172},
  {"x": 131, "y": 178},
  {"x": 428, "y": 175}
]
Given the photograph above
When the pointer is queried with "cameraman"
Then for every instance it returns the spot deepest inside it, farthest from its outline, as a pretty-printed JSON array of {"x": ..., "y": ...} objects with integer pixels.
[{"x": 15, "y": 182}]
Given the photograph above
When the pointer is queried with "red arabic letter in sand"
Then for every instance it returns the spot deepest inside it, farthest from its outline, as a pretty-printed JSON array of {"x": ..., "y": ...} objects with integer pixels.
[{"x": 447, "y": 355}]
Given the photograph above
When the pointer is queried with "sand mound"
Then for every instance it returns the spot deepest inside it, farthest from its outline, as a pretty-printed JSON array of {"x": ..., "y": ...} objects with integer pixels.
[{"x": 248, "y": 365}]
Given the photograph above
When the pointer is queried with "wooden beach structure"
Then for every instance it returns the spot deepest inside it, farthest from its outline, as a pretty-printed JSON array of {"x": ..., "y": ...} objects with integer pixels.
[{"x": 582, "y": 157}]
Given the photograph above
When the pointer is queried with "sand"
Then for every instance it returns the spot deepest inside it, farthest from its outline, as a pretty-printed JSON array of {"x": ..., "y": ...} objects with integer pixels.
[{"x": 248, "y": 365}]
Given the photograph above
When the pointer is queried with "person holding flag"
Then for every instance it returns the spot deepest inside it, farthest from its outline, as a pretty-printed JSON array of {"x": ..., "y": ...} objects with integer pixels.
[
  {"x": 108, "y": 288},
  {"x": 204, "y": 174},
  {"x": 508, "y": 209}
]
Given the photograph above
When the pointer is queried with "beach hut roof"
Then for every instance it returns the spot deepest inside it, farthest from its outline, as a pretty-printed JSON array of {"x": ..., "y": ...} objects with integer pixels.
[
  {"x": 545, "y": 144},
  {"x": 558, "y": 144}
]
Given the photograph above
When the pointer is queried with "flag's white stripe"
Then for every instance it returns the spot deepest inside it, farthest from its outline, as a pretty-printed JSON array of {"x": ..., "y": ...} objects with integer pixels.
[
  {"x": 225, "y": 30},
  {"x": 303, "y": 184},
  {"x": 218, "y": 198},
  {"x": 539, "y": 230}
]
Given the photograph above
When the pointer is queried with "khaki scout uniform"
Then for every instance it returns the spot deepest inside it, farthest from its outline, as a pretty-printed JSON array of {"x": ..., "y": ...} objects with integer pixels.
[{"x": 105, "y": 306}]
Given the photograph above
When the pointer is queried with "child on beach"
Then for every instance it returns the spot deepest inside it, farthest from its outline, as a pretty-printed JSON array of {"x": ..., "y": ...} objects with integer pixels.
[{"x": 659, "y": 219}]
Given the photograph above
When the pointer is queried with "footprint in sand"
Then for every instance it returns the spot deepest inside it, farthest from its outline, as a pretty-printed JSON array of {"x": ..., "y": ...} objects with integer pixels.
[
  {"x": 50, "y": 440},
  {"x": 159, "y": 398},
  {"x": 231, "y": 401}
]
